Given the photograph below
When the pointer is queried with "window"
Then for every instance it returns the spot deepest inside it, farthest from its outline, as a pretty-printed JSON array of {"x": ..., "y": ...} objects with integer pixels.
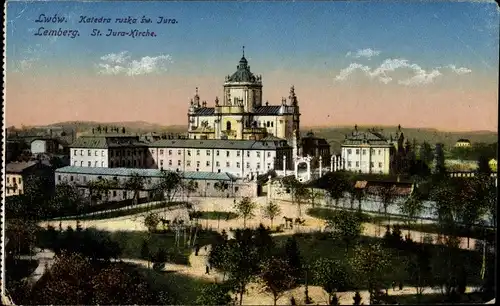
[
  {"x": 19, "y": 180},
  {"x": 248, "y": 165},
  {"x": 118, "y": 153},
  {"x": 357, "y": 151},
  {"x": 227, "y": 153},
  {"x": 161, "y": 152},
  {"x": 188, "y": 163},
  {"x": 81, "y": 152},
  {"x": 169, "y": 152},
  {"x": 217, "y": 153},
  {"x": 208, "y": 163},
  {"x": 128, "y": 152},
  {"x": 258, "y": 154},
  {"x": 364, "y": 152},
  {"x": 170, "y": 162},
  {"x": 111, "y": 153},
  {"x": 380, "y": 165},
  {"x": 84, "y": 179},
  {"x": 74, "y": 163},
  {"x": 228, "y": 124},
  {"x": 238, "y": 153},
  {"x": 89, "y": 153},
  {"x": 95, "y": 164},
  {"x": 357, "y": 164},
  {"x": 217, "y": 164},
  {"x": 348, "y": 164},
  {"x": 124, "y": 194},
  {"x": 81, "y": 164},
  {"x": 89, "y": 164},
  {"x": 102, "y": 153},
  {"x": 248, "y": 153},
  {"x": 236, "y": 188},
  {"x": 227, "y": 164},
  {"x": 238, "y": 165},
  {"x": 268, "y": 165},
  {"x": 268, "y": 154},
  {"x": 379, "y": 152},
  {"x": 373, "y": 151},
  {"x": 258, "y": 166},
  {"x": 196, "y": 184},
  {"x": 74, "y": 152},
  {"x": 189, "y": 152},
  {"x": 114, "y": 193},
  {"x": 95, "y": 152},
  {"x": 58, "y": 178},
  {"x": 102, "y": 164},
  {"x": 208, "y": 152},
  {"x": 268, "y": 124},
  {"x": 349, "y": 151},
  {"x": 371, "y": 165},
  {"x": 198, "y": 152},
  {"x": 178, "y": 163},
  {"x": 178, "y": 152}
]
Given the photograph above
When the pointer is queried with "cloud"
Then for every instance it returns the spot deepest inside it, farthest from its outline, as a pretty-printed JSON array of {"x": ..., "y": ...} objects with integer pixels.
[
  {"x": 382, "y": 72},
  {"x": 459, "y": 71},
  {"x": 367, "y": 53},
  {"x": 122, "y": 63}
]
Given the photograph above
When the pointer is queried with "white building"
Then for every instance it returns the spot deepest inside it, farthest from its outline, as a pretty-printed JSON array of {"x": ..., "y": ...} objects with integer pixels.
[
  {"x": 241, "y": 158},
  {"x": 241, "y": 113},
  {"x": 367, "y": 152},
  {"x": 108, "y": 151}
]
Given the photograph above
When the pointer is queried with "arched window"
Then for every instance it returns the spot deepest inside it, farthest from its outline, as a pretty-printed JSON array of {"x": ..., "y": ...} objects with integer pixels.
[{"x": 228, "y": 125}]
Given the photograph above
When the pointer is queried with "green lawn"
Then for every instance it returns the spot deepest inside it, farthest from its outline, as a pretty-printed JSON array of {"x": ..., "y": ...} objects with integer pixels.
[
  {"x": 218, "y": 215},
  {"x": 131, "y": 243},
  {"x": 313, "y": 246},
  {"x": 477, "y": 232},
  {"x": 127, "y": 212},
  {"x": 326, "y": 213}
]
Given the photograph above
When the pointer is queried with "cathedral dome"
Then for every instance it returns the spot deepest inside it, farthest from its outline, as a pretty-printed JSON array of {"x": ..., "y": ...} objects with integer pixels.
[{"x": 243, "y": 73}]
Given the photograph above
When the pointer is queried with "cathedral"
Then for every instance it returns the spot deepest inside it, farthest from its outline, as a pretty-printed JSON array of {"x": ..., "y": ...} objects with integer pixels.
[{"x": 241, "y": 115}]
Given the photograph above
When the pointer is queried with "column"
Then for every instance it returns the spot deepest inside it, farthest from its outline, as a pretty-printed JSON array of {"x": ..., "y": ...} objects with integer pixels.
[
  {"x": 331, "y": 163},
  {"x": 320, "y": 165},
  {"x": 284, "y": 165}
]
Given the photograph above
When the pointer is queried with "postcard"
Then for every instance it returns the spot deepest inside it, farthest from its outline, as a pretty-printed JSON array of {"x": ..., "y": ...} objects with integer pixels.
[{"x": 249, "y": 153}]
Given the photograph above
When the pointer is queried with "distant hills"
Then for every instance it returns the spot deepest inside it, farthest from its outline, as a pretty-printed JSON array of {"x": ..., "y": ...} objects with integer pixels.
[{"x": 334, "y": 135}]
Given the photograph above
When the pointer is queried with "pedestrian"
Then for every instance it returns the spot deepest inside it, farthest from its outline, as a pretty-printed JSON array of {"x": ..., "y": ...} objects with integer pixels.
[
  {"x": 400, "y": 285},
  {"x": 207, "y": 270},
  {"x": 393, "y": 286}
]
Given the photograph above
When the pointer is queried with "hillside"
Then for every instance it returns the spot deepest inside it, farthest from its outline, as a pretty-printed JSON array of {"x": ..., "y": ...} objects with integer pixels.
[
  {"x": 132, "y": 126},
  {"x": 335, "y": 135}
]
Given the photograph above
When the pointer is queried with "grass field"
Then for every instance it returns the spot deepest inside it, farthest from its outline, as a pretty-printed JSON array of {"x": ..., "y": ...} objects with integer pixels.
[
  {"x": 326, "y": 213},
  {"x": 131, "y": 242},
  {"x": 313, "y": 246},
  {"x": 218, "y": 215},
  {"x": 182, "y": 290}
]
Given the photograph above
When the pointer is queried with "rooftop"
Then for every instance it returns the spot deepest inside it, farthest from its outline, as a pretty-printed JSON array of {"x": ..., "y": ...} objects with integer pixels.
[
  {"x": 190, "y": 175},
  {"x": 19, "y": 167},
  {"x": 265, "y": 144},
  {"x": 367, "y": 138},
  {"x": 107, "y": 141}
]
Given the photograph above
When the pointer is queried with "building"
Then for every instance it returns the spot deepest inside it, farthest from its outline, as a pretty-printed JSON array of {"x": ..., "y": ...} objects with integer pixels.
[
  {"x": 204, "y": 182},
  {"x": 241, "y": 114},
  {"x": 315, "y": 147},
  {"x": 368, "y": 152},
  {"x": 109, "y": 151},
  {"x": 16, "y": 174},
  {"x": 463, "y": 143},
  {"x": 240, "y": 158},
  {"x": 44, "y": 146}
]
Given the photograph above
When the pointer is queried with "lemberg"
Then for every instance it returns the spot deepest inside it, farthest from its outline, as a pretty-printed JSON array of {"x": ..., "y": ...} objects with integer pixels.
[{"x": 60, "y": 32}]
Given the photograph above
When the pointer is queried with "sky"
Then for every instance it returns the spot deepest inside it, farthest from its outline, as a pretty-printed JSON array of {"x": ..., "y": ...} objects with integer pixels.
[{"x": 418, "y": 64}]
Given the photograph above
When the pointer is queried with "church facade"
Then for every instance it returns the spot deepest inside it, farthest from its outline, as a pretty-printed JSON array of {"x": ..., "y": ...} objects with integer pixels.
[{"x": 241, "y": 113}]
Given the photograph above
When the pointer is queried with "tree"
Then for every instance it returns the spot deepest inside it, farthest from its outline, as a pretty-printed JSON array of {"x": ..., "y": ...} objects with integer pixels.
[
  {"x": 331, "y": 275},
  {"x": 314, "y": 195},
  {"x": 169, "y": 184},
  {"x": 474, "y": 207},
  {"x": 275, "y": 277},
  {"x": 419, "y": 270},
  {"x": 370, "y": 262},
  {"x": 214, "y": 294},
  {"x": 412, "y": 207},
  {"x": 426, "y": 153},
  {"x": 337, "y": 185},
  {"x": 151, "y": 221},
  {"x": 483, "y": 166},
  {"x": 345, "y": 226},
  {"x": 387, "y": 194},
  {"x": 135, "y": 183},
  {"x": 245, "y": 209},
  {"x": 298, "y": 191},
  {"x": 292, "y": 254},
  {"x": 67, "y": 200},
  {"x": 271, "y": 211},
  {"x": 145, "y": 252},
  {"x": 221, "y": 187}
]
